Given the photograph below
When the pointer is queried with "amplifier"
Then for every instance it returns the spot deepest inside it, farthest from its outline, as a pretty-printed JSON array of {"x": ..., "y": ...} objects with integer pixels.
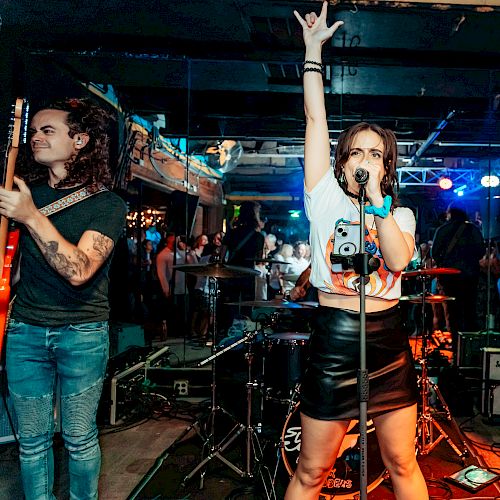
[
  {"x": 491, "y": 400},
  {"x": 491, "y": 363},
  {"x": 491, "y": 382},
  {"x": 123, "y": 336},
  {"x": 470, "y": 344}
]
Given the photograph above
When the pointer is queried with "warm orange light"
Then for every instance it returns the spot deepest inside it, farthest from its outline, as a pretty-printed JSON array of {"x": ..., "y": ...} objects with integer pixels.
[{"x": 445, "y": 183}]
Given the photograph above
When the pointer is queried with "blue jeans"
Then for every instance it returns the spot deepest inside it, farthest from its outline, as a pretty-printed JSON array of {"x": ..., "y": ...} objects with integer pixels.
[{"x": 36, "y": 358}]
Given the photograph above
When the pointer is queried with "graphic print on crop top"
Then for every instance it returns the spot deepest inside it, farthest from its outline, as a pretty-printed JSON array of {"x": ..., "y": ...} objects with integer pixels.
[{"x": 347, "y": 282}]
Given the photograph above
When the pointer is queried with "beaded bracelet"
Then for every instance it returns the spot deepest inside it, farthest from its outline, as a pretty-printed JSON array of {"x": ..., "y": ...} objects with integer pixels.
[
  {"x": 382, "y": 211},
  {"x": 316, "y": 70},
  {"x": 315, "y": 63}
]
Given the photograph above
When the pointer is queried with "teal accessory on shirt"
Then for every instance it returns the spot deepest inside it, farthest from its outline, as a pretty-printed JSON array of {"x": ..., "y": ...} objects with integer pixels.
[{"x": 382, "y": 211}]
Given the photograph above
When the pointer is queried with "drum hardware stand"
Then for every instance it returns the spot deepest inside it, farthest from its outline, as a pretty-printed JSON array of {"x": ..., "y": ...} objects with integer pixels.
[
  {"x": 214, "y": 450},
  {"x": 253, "y": 450},
  {"x": 426, "y": 439}
]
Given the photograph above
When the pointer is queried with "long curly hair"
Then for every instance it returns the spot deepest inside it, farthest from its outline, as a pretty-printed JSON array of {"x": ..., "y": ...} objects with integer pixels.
[
  {"x": 90, "y": 166},
  {"x": 389, "y": 184}
]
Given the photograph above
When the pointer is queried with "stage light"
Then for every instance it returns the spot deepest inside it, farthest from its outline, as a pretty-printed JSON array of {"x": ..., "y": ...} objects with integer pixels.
[
  {"x": 295, "y": 214},
  {"x": 490, "y": 181},
  {"x": 459, "y": 191},
  {"x": 445, "y": 183}
]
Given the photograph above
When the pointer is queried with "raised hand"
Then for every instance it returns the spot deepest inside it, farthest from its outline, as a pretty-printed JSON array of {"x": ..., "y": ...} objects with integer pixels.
[{"x": 315, "y": 29}]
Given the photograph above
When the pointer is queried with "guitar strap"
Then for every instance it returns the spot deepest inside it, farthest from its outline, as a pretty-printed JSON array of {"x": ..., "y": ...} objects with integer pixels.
[{"x": 70, "y": 199}]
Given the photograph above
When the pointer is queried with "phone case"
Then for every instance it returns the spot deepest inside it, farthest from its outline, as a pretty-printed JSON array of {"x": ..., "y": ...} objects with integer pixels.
[{"x": 346, "y": 239}]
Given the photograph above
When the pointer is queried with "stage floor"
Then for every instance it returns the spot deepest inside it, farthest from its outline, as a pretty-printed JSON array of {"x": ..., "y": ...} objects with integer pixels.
[{"x": 130, "y": 453}]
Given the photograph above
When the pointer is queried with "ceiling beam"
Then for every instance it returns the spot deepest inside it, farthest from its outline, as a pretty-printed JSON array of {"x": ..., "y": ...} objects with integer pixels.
[{"x": 448, "y": 3}]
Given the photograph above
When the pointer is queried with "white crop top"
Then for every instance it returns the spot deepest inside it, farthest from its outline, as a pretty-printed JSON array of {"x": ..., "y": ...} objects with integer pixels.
[{"x": 325, "y": 205}]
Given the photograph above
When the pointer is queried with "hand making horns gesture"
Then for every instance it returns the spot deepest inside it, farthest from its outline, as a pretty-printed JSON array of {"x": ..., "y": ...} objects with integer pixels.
[{"x": 315, "y": 28}]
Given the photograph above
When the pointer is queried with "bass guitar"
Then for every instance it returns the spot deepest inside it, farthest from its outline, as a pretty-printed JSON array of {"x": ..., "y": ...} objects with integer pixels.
[{"x": 10, "y": 239}]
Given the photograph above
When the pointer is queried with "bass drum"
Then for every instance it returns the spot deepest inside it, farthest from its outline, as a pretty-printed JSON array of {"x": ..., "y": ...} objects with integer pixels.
[{"x": 343, "y": 479}]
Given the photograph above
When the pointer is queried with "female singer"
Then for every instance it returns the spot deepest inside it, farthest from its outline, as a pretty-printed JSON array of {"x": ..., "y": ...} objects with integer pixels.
[{"x": 329, "y": 389}]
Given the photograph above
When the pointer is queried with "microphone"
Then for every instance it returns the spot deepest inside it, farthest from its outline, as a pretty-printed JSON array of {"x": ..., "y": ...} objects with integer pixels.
[{"x": 361, "y": 175}]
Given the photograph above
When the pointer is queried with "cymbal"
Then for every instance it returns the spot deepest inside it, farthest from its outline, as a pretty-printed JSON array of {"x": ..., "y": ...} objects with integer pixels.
[
  {"x": 431, "y": 271},
  {"x": 276, "y": 304},
  {"x": 217, "y": 270},
  {"x": 429, "y": 298},
  {"x": 268, "y": 261}
]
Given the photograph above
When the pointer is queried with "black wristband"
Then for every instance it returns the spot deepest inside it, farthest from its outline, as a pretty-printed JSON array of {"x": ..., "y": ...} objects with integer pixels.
[
  {"x": 316, "y": 70},
  {"x": 315, "y": 63}
]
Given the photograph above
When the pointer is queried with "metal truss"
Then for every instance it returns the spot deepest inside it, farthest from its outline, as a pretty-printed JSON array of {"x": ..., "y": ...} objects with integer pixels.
[{"x": 429, "y": 176}]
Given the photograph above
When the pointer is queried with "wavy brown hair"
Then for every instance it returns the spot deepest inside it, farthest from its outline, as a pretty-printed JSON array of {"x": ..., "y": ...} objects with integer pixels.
[
  {"x": 91, "y": 164},
  {"x": 389, "y": 184}
]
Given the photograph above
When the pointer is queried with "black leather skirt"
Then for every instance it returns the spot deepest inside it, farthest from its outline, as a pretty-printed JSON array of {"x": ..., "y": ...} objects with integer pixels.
[{"x": 329, "y": 390}]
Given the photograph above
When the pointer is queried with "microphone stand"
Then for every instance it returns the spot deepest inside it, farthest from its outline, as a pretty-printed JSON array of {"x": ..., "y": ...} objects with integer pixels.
[{"x": 361, "y": 267}]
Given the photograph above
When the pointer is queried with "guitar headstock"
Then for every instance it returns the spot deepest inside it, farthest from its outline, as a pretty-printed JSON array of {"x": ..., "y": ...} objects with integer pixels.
[{"x": 19, "y": 125}]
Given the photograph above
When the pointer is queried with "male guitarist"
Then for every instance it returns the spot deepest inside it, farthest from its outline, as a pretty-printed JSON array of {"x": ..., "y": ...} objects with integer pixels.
[{"x": 58, "y": 326}]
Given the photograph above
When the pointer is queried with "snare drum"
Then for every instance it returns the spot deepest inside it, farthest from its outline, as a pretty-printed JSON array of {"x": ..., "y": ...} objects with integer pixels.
[
  {"x": 284, "y": 364},
  {"x": 342, "y": 481}
]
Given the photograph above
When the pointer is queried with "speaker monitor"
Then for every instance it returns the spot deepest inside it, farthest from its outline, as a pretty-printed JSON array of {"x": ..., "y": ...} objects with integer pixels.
[{"x": 470, "y": 345}]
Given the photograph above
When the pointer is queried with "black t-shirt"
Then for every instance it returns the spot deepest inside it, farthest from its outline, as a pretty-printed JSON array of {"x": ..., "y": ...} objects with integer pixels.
[
  {"x": 244, "y": 246},
  {"x": 466, "y": 251},
  {"x": 44, "y": 297}
]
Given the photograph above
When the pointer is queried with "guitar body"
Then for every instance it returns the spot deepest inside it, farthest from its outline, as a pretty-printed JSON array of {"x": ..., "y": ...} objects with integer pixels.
[
  {"x": 9, "y": 240},
  {"x": 5, "y": 281}
]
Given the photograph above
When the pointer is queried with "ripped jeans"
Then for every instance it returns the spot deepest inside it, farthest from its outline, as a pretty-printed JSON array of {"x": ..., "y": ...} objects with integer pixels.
[{"x": 36, "y": 358}]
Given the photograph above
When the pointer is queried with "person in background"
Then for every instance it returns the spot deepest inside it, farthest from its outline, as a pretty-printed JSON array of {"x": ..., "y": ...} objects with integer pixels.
[
  {"x": 198, "y": 248},
  {"x": 270, "y": 248},
  {"x": 214, "y": 247},
  {"x": 279, "y": 270},
  {"x": 153, "y": 235},
  {"x": 58, "y": 326},
  {"x": 245, "y": 243},
  {"x": 297, "y": 265},
  {"x": 328, "y": 399},
  {"x": 489, "y": 287},
  {"x": 303, "y": 291},
  {"x": 173, "y": 285},
  {"x": 146, "y": 276},
  {"x": 458, "y": 244}
]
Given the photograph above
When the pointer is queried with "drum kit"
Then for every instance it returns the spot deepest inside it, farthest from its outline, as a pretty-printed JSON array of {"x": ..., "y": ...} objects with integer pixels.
[
  {"x": 282, "y": 362},
  {"x": 279, "y": 380}
]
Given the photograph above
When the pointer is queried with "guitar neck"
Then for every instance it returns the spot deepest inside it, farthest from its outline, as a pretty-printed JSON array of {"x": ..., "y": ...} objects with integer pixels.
[{"x": 20, "y": 111}]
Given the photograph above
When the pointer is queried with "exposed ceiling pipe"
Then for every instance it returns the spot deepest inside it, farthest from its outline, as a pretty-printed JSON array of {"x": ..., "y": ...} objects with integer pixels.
[{"x": 432, "y": 137}]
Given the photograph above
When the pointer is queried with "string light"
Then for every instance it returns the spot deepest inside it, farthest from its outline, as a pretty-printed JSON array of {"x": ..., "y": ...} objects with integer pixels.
[{"x": 147, "y": 218}]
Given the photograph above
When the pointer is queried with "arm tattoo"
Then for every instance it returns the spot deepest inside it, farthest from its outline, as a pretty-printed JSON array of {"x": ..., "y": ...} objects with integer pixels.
[
  {"x": 102, "y": 245},
  {"x": 65, "y": 266}
]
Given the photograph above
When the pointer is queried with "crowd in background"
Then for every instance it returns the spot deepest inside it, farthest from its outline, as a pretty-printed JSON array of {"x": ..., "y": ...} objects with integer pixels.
[{"x": 166, "y": 297}]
